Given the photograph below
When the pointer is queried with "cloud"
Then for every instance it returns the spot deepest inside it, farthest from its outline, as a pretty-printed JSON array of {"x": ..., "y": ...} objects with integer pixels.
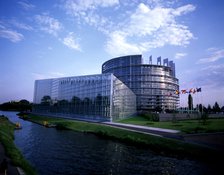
[
  {"x": 26, "y": 5},
  {"x": 212, "y": 76},
  {"x": 11, "y": 35},
  {"x": 21, "y": 25},
  {"x": 134, "y": 27},
  {"x": 180, "y": 55},
  {"x": 89, "y": 12},
  {"x": 38, "y": 76},
  {"x": 77, "y": 7},
  {"x": 184, "y": 10},
  {"x": 157, "y": 25},
  {"x": 71, "y": 42},
  {"x": 48, "y": 24},
  {"x": 117, "y": 45},
  {"x": 214, "y": 55}
]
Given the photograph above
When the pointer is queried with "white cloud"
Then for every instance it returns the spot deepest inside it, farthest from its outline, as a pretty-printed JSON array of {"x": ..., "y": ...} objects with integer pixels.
[
  {"x": 214, "y": 55},
  {"x": 184, "y": 9},
  {"x": 11, "y": 35},
  {"x": 86, "y": 12},
  {"x": 21, "y": 25},
  {"x": 26, "y": 5},
  {"x": 39, "y": 76},
  {"x": 117, "y": 45},
  {"x": 71, "y": 42},
  {"x": 212, "y": 75},
  {"x": 48, "y": 24},
  {"x": 150, "y": 28},
  {"x": 180, "y": 55},
  {"x": 77, "y": 7}
]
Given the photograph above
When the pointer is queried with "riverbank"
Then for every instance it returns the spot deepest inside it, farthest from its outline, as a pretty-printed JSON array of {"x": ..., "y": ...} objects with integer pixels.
[
  {"x": 163, "y": 146},
  {"x": 10, "y": 152}
]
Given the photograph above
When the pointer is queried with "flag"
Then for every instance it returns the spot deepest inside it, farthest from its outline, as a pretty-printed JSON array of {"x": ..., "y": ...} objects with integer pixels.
[
  {"x": 194, "y": 91},
  {"x": 191, "y": 90},
  {"x": 184, "y": 91},
  {"x": 177, "y": 92},
  {"x": 198, "y": 89}
]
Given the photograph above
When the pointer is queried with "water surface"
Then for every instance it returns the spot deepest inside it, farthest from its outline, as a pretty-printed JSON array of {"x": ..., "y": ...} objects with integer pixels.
[{"x": 54, "y": 152}]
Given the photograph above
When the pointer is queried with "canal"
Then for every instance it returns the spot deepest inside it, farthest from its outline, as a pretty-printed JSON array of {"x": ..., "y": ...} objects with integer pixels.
[{"x": 54, "y": 152}]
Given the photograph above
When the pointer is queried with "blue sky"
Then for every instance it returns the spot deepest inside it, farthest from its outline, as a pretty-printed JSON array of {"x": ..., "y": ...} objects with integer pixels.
[{"x": 57, "y": 38}]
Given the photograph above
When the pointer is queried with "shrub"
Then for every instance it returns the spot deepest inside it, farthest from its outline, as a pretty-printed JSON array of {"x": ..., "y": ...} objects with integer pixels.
[
  {"x": 150, "y": 116},
  {"x": 204, "y": 118}
]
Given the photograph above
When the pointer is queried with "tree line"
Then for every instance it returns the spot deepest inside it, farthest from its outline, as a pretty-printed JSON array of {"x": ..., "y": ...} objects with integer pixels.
[
  {"x": 21, "y": 106},
  {"x": 209, "y": 109}
]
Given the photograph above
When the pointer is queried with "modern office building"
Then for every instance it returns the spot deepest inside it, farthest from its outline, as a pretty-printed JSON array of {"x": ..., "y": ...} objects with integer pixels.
[
  {"x": 125, "y": 85},
  {"x": 154, "y": 84},
  {"x": 100, "y": 97}
]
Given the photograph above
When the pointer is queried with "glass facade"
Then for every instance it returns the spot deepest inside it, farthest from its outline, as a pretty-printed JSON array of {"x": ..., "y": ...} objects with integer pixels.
[
  {"x": 154, "y": 85},
  {"x": 100, "y": 97}
]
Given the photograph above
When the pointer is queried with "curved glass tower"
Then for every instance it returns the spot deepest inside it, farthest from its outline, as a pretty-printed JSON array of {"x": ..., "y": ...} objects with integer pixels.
[{"x": 154, "y": 84}]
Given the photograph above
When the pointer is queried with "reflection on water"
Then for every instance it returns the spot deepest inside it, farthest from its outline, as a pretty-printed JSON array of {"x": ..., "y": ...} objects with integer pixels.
[{"x": 54, "y": 152}]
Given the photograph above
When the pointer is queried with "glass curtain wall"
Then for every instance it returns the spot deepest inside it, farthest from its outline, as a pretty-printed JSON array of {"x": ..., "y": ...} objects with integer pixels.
[
  {"x": 154, "y": 85},
  {"x": 86, "y": 97}
]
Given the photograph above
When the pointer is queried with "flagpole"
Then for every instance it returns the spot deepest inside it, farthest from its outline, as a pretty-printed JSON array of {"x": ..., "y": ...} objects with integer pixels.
[{"x": 201, "y": 103}]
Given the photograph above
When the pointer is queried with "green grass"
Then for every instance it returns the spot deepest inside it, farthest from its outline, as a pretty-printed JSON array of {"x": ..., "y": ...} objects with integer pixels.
[
  {"x": 185, "y": 126},
  {"x": 158, "y": 144},
  {"x": 6, "y": 138}
]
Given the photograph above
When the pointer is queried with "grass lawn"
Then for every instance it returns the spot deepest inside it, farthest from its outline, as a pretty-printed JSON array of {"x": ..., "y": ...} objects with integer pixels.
[
  {"x": 157, "y": 144},
  {"x": 6, "y": 138},
  {"x": 185, "y": 126}
]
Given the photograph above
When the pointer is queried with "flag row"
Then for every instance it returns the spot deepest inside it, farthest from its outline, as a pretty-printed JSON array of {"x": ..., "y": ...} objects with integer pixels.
[{"x": 186, "y": 91}]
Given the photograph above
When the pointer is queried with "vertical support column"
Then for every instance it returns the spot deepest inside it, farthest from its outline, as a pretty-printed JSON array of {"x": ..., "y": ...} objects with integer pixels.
[{"x": 159, "y": 60}]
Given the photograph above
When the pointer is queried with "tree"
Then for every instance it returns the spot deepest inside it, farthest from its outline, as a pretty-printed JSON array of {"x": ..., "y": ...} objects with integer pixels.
[
  {"x": 202, "y": 109},
  {"x": 98, "y": 99},
  {"x": 222, "y": 109},
  {"x": 22, "y": 106},
  {"x": 24, "y": 102},
  {"x": 46, "y": 100},
  {"x": 63, "y": 102},
  {"x": 216, "y": 107},
  {"x": 76, "y": 100},
  {"x": 190, "y": 102},
  {"x": 209, "y": 109}
]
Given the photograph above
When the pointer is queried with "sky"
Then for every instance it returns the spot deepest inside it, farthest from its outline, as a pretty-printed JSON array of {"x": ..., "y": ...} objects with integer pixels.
[{"x": 59, "y": 38}]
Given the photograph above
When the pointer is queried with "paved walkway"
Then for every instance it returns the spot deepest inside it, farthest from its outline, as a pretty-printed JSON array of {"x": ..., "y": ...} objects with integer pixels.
[
  {"x": 169, "y": 133},
  {"x": 213, "y": 140}
]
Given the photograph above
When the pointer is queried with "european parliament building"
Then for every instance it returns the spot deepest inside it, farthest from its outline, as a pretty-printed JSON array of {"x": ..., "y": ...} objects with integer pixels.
[
  {"x": 153, "y": 84},
  {"x": 126, "y": 86}
]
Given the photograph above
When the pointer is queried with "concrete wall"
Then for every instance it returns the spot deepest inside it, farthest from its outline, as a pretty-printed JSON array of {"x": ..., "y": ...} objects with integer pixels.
[{"x": 185, "y": 116}]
